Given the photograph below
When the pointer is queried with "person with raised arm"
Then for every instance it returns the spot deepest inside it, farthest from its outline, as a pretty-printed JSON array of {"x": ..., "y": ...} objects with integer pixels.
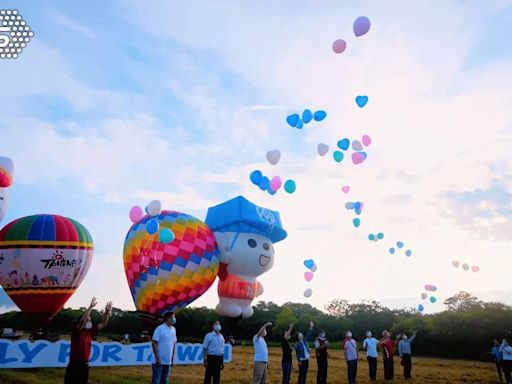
[
  {"x": 286, "y": 361},
  {"x": 260, "y": 355},
  {"x": 303, "y": 353},
  {"x": 77, "y": 371},
  {"x": 405, "y": 352}
]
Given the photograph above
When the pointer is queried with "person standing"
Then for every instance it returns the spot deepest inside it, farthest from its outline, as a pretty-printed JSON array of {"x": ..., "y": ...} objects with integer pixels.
[
  {"x": 77, "y": 371},
  {"x": 370, "y": 344},
  {"x": 303, "y": 353},
  {"x": 351, "y": 356},
  {"x": 286, "y": 361},
  {"x": 405, "y": 352},
  {"x": 496, "y": 355},
  {"x": 321, "y": 346},
  {"x": 506, "y": 356},
  {"x": 213, "y": 353},
  {"x": 164, "y": 349},
  {"x": 388, "y": 351},
  {"x": 260, "y": 355}
]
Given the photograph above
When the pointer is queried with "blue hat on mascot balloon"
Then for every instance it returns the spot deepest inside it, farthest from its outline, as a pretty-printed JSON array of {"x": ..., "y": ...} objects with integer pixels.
[{"x": 241, "y": 216}]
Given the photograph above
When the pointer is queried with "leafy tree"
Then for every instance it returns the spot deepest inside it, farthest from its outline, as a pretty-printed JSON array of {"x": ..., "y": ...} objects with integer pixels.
[{"x": 463, "y": 301}]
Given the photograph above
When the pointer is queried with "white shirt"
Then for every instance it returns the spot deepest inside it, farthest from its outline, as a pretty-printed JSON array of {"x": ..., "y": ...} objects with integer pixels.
[
  {"x": 214, "y": 344},
  {"x": 260, "y": 349},
  {"x": 165, "y": 336},
  {"x": 370, "y": 344}
]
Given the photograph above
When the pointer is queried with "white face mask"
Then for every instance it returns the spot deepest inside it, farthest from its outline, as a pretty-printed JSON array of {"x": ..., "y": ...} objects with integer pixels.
[
  {"x": 88, "y": 325},
  {"x": 216, "y": 327},
  {"x": 349, "y": 334},
  {"x": 368, "y": 334},
  {"x": 322, "y": 335},
  {"x": 404, "y": 337}
]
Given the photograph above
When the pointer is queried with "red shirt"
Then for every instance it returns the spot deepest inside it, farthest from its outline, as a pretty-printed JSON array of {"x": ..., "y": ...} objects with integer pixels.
[
  {"x": 81, "y": 344},
  {"x": 388, "y": 348}
]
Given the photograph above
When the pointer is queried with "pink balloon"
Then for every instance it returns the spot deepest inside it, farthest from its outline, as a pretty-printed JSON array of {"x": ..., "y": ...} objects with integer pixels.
[
  {"x": 358, "y": 157},
  {"x": 367, "y": 140},
  {"x": 339, "y": 46},
  {"x": 136, "y": 213},
  {"x": 308, "y": 275},
  {"x": 430, "y": 287},
  {"x": 276, "y": 183},
  {"x": 475, "y": 268},
  {"x": 345, "y": 188}
]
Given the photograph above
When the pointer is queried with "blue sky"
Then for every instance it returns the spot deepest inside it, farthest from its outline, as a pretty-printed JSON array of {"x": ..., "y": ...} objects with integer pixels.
[{"x": 117, "y": 103}]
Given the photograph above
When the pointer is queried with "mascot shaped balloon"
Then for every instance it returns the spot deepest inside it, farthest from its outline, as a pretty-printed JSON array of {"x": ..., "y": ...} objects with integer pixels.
[
  {"x": 245, "y": 233},
  {"x": 6, "y": 172}
]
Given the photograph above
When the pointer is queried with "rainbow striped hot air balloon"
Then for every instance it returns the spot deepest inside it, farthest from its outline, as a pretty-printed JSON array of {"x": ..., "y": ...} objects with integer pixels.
[
  {"x": 43, "y": 260},
  {"x": 167, "y": 276}
]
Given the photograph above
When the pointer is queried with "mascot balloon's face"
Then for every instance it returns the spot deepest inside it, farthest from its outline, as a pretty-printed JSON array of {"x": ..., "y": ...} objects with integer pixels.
[
  {"x": 6, "y": 172},
  {"x": 247, "y": 254}
]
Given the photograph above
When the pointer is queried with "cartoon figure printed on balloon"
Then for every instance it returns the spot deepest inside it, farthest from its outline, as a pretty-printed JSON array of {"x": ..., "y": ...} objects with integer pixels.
[
  {"x": 6, "y": 172},
  {"x": 245, "y": 235}
]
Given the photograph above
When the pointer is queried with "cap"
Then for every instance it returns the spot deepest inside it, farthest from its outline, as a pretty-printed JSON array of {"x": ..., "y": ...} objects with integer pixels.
[{"x": 241, "y": 216}]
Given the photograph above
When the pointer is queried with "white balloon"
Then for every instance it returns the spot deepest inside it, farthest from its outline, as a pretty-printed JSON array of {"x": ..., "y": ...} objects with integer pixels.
[
  {"x": 313, "y": 268},
  {"x": 308, "y": 292},
  {"x": 3, "y": 203},
  {"x": 274, "y": 156},
  {"x": 357, "y": 146},
  {"x": 322, "y": 149},
  {"x": 154, "y": 207}
]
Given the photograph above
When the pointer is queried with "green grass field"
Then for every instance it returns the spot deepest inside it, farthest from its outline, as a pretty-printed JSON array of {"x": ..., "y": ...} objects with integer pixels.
[{"x": 425, "y": 370}]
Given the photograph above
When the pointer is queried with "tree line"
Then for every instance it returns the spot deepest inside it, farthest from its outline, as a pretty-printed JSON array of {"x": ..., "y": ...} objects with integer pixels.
[{"x": 464, "y": 330}]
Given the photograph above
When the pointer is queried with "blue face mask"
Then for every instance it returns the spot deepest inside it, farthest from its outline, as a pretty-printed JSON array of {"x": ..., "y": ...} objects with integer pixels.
[
  {"x": 174, "y": 320},
  {"x": 216, "y": 327}
]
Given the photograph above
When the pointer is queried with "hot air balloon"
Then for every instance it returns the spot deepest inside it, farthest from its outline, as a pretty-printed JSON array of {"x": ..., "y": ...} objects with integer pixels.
[
  {"x": 168, "y": 275},
  {"x": 44, "y": 258},
  {"x": 6, "y": 172}
]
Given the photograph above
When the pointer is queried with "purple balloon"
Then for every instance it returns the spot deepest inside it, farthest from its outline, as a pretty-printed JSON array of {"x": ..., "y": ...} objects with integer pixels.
[{"x": 361, "y": 26}]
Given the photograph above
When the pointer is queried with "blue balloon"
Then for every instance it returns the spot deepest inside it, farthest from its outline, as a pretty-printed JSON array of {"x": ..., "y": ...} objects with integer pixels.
[
  {"x": 349, "y": 205},
  {"x": 392, "y": 250},
  {"x": 290, "y": 186},
  {"x": 408, "y": 253},
  {"x": 357, "y": 205},
  {"x": 421, "y": 307},
  {"x": 300, "y": 124},
  {"x": 307, "y": 116},
  {"x": 356, "y": 222},
  {"x": 361, "y": 101},
  {"x": 264, "y": 183},
  {"x": 166, "y": 235},
  {"x": 152, "y": 226},
  {"x": 380, "y": 235},
  {"x": 344, "y": 144},
  {"x": 433, "y": 299},
  {"x": 358, "y": 211},
  {"x": 319, "y": 115},
  {"x": 338, "y": 156},
  {"x": 256, "y": 177},
  {"x": 293, "y": 120},
  {"x": 371, "y": 237},
  {"x": 309, "y": 263},
  {"x": 399, "y": 244}
]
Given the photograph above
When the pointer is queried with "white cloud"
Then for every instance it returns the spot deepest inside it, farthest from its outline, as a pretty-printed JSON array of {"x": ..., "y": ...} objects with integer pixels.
[{"x": 63, "y": 20}]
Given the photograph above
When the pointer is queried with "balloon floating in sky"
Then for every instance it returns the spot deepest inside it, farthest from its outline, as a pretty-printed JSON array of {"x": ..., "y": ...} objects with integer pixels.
[
  {"x": 377, "y": 237},
  {"x": 343, "y": 144},
  {"x": 361, "y": 101},
  {"x": 465, "y": 267},
  {"x": 256, "y": 177},
  {"x": 358, "y": 157},
  {"x": 433, "y": 299},
  {"x": 308, "y": 275},
  {"x": 152, "y": 226},
  {"x": 322, "y": 149},
  {"x": 307, "y": 116},
  {"x": 430, "y": 288},
  {"x": 421, "y": 308},
  {"x": 274, "y": 156},
  {"x": 392, "y": 250},
  {"x": 136, "y": 213},
  {"x": 276, "y": 183},
  {"x": 356, "y": 222},
  {"x": 367, "y": 140},
  {"x": 319, "y": 115},
  {"x": 293, "y": 120},
  {"x": 345, "y": 188},
  {"x": 6, "y": 173},
  {"x": 424, "y": 296},
  {"x": 309, "y": 263},
  {"x": 290, "y": 186},
  {"x": 308, "y": 292},
  {"x": 361, "y": 26},
  {"x": 338, "y": 156},
  {"x": 456, "y": 263},
  {"x": 154, "y": 208},
  {"x": 408, "y": 253},
  {"x": 168, "y": 276},
  {"x": 45, "y": 258},
  {"x": 339, "y": 46},
  {"x": 313, "y": 268},
  {"x": 356, "y": 145},
  {"x": 399, "y": 244},
  {"x": 475, "y": 268}
]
